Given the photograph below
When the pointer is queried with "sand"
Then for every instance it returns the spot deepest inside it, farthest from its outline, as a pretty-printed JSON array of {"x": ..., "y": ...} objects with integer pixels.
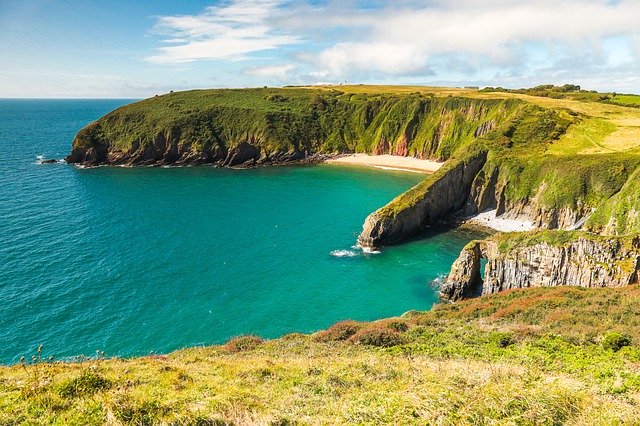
[
  {"x": 489, "y": 219},
  {"x": 389, "y": 162}
]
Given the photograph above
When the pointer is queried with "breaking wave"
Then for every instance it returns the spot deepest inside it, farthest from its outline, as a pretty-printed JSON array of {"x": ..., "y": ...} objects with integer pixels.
[{"x": 343, "y": 253}]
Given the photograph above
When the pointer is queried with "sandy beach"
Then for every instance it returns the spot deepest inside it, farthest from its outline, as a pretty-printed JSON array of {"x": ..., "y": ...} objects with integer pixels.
[
  {"x": 489, "y": 219},
  {"x": 390, "y": 162}
]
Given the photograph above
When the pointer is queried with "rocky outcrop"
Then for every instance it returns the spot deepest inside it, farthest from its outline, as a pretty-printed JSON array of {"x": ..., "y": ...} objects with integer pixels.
[
  {"x": 441, "y": 194},
  {"x": 464, "y": 279},
  {"x": 167, "y": 150},
  {"x": 580, "y": 259}
]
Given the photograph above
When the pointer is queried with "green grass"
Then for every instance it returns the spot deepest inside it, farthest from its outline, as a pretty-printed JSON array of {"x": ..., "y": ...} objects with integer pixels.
[
  {"x": 585, "y": 137},
  {"x": 620, "y": 214},
  {"x": 626, "y": 100},
  {"x": 536, "y": 356},
  {"x": 318, "y": 120}
]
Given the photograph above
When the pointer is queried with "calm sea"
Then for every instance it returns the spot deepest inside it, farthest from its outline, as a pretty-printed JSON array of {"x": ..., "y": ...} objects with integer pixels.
[{"x": 134, "y": 261}]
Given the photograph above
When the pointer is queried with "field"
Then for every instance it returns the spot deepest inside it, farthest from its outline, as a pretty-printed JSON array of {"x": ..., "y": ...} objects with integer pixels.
[{"x": 541, "y": 356}]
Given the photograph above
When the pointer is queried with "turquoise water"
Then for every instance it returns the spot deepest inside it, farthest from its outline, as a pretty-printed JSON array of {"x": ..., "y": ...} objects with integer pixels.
[{"x": 133, "y": 261}]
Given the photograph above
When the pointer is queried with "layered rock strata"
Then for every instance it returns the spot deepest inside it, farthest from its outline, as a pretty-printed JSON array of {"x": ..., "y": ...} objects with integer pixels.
[
  {"x": 584, "y": 260},
  {"x": 441, "y": 194}
]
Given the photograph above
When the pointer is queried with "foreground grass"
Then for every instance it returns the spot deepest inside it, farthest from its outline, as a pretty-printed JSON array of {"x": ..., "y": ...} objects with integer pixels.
[{"x": 535, "y": 356}]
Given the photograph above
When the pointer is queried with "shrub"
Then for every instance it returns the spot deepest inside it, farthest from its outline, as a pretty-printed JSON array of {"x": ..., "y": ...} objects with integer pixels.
[
  {"x": 396, "y": 325},
  {"x": 276, "y": 98},
  {"x": 377, "y": 336},
  {"x": 616, "y": 341},
  {"x": 88, "y": 383},
  {"x": 243, "y": 343},
  {"x": 502, "y": 340},
  {"x": 339, "y": 331}
]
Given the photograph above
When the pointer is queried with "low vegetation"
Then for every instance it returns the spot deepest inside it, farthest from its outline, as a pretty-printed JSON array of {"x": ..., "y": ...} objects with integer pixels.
[
  {"x": 572, "y": 91},
  {"x": 539, "y": 356}
]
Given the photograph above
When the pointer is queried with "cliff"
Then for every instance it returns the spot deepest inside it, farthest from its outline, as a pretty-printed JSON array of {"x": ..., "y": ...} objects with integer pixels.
[
  {"x": 544, "y": 258},
  {"x": 520, "y": 179},
  {"x": 442, "y": 194},
  {"x": 557, "y": 163},
  {"x": 246, "y": 127}
]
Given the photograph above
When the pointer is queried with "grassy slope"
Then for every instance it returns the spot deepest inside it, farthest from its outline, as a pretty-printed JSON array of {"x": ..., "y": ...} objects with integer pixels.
[
  {"x": 526, "y": 357},
  {"x": 588, "y": 156},
  {"x": 282, "y": 119}
]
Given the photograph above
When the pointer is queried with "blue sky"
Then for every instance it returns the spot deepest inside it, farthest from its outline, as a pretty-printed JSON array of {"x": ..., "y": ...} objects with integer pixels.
[{"x": 137, "y": 49}]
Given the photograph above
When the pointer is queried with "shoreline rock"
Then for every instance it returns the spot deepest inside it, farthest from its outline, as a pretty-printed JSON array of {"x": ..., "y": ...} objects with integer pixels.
[
  {"x": 548, "y": 258},
  {"x": 443, "y": 193}
]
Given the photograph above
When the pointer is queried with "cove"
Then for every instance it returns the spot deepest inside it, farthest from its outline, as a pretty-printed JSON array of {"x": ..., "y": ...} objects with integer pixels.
[{"x": 133, "y": 261}]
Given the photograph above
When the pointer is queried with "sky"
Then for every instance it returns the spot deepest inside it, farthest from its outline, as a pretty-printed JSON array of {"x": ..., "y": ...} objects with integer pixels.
[{"x": 136, "y": 49}]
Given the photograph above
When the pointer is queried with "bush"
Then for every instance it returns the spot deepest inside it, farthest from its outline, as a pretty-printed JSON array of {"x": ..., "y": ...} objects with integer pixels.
[
  {"x": 616, "y": 341},
  {"x": 88, "y": 383},
  {"x": 396, "y": 325},
  {"x": 502, "y": 340},
  {"x": 377, "y": 336},
  {"x": 243, "y": 343},
  {"x": 276, "y": 98},
  {"x": 339, "y": 331}
]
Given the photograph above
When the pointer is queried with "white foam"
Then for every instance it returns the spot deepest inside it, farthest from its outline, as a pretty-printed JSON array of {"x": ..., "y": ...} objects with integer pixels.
[
  {"x": 366, "y": 250},
  {"x": 343, "y": 253},
  {"x": 437, "y": 282},
  {"x": 370, "y": 250}
]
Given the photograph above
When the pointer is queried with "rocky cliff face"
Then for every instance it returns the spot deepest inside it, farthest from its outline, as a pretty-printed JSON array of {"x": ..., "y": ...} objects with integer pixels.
[
  {"x": 582, "y": 260},
  {"x": 441, "y": 194},
  {"x": 166, "y": 149},
  {"x": 245, "y": 127}
]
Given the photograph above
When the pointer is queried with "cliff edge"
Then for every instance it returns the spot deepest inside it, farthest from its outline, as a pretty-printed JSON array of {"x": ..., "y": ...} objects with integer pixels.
[{"x": 543, "y": 259}]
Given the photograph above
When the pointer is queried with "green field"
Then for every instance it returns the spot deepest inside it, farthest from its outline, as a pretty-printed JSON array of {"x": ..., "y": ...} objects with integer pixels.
[{"x": 540, "y": 356}]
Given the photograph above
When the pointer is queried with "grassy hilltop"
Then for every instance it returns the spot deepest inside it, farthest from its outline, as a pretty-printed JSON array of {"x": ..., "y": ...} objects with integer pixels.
[
  {"x": 318, "y": 120},
  {"x": 541, "y": 356}
]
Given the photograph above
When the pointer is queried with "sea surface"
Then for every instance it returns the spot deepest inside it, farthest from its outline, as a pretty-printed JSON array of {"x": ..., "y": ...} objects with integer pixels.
[{"x": 133, "y": 261}]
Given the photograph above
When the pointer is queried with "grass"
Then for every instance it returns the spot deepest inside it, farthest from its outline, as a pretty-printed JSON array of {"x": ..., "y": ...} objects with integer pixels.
[
  {"x": 626, "y": 100},
  {"x": 317, "y": 120},
  {"x": 587, "y": 137},
  {"x": 537, "y": 356}
]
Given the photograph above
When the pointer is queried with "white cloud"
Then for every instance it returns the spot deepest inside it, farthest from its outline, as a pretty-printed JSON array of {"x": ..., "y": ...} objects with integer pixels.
[
  {"x": 384, "y": 57},
  {"x": 400, "y": 41},
  {"x": 229, "y": 32},
  {"x": 277, "y": 72},
  {"x": 411, "y": 40}
]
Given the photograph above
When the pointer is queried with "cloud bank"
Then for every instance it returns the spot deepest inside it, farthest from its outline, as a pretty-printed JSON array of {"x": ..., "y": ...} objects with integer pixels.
[
  {"x": 497, "y": 41},
  {"x": 229, "y": 32}
]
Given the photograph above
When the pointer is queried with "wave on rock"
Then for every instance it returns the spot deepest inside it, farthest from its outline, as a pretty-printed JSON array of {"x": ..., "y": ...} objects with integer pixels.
[
  {"x": 343, "y": 253},
  {"x": 437, "y": 282}
]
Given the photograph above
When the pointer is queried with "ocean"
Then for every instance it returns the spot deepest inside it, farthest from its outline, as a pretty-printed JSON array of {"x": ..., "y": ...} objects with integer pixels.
[{"x": 133, "y": 261}]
